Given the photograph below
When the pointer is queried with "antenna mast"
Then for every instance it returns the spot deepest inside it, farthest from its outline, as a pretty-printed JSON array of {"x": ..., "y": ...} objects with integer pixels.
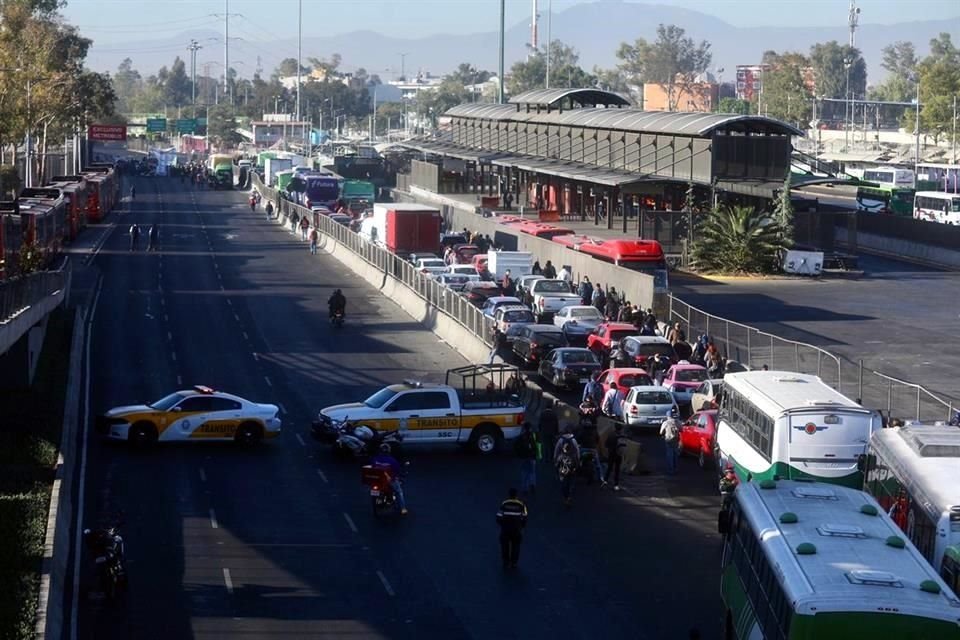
[
  {"x": 533, "y": 29},
  {"x": 853, "y": 18}
]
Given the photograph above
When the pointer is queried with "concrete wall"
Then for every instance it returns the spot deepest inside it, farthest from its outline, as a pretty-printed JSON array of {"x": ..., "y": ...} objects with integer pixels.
[{"x": 901, "y": 249}]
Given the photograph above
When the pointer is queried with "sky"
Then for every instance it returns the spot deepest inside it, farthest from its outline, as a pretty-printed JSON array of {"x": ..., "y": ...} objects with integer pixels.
[{"x": 126, "y": 21}]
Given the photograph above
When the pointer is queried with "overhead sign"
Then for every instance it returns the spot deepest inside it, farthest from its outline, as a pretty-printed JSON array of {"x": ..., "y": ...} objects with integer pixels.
[
  {"x": 107, "y": 132},
  {"x": 187, "y": 125},
  {"x": 156, "y": 125}
]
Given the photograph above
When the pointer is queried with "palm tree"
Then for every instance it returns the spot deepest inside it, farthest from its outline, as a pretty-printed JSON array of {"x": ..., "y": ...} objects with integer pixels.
[{"x": 738, "y": 240}]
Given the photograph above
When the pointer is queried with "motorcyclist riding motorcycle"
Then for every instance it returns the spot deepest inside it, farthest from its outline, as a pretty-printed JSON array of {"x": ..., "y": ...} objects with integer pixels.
[
  {"x": 589, "y": 410},
  {"x": 106, "y": 548},
  {"x": 589, "y": 454},
  {"x": 337, "y": 302},
  {"x": 253, "y": 202},
  {"x": 387, "y": 461},
  {"x": 133, "y": 193}
]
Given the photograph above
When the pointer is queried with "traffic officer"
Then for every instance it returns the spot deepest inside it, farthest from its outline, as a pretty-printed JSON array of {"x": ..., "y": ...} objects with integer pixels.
[{"x": 512, "y": 518}]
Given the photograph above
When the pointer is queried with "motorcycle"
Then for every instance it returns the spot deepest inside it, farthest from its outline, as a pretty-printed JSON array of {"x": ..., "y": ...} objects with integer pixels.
[
  {"x": 326, "y": 430},
  {"x": 383, "y": 498},
  {"x": 107, "y": 548},
  {"x": 337, "y": 319},
  {"x": 253, "y": 203},
  {"x": 361, "y": 441}
]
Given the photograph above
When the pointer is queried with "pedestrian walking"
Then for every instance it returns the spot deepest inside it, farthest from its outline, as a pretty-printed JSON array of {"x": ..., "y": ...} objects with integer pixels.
[
  {"x": 670, "y": 431},
  {"x": 616, "y": 448},
  {"x": 528, "y": 449},
  {"x": 153, "y": 236},
  {"x": 548, "y": 427},
  {"x": 566, "y": 460},
  {"x": 512, "y": 518},
  {"x": 304, "y": 227},
  {"x": 549, "y": 271},
  {"x": 134, "y": 236},
  {"x": 269, "y": 210},
  {"x": 314, "y": 240},
  {"x": 612, "y": 405}
]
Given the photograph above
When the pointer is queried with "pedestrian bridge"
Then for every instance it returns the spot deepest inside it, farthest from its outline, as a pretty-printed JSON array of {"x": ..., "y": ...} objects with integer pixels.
[{"x": 25, "y": 303}]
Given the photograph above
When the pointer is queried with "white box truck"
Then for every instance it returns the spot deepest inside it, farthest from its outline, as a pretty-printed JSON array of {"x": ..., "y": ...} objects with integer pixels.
[
  {"x": 271, "y": 166},
  {"x": 520, "y": 263}
]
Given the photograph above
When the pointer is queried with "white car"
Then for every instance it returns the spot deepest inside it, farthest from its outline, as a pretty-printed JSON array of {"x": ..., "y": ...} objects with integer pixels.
[
  {"x": 580, "y": 318},
  {"x": 195, "y": 414},
  {"x": 431, "y": 266},
  {"x": 455, "y": 281},
  {"x": 647, "y": 406},
  {"x": 464, "y": 269},
  {"x": 493, "y": 303},
  {"x": 510, "y": 319},
  {"x": 707, "y": 395}
]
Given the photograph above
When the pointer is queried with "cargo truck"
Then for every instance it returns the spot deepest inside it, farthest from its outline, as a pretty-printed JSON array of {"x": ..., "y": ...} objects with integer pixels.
[
  {"x": 358, "y": 195},
  {"x": 520, "y": 263},
  {"x": 220, "y": 169},
  {"x": 273, "y": 166},
  {"x": 403, "y": 228}
]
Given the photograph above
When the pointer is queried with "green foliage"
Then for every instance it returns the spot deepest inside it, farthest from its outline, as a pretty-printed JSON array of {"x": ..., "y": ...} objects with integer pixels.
[
  {"x": 829, "y": 61},
  {"x": 9, "y": 180},
  {"x": 736, "y": 240},
  {"x": 288, "y": 67},
  {"x": 785, "y": 96},
  {"x": 176, "y": 85},
  {"x": 783, "y": 211},
  {"x": 939, "y": 86},
  {"x": 565, "y": 70},
  {"x": 734, "y": 105},
  {"x": 222, "y": 125},
  {"x": 671, "y": 62}
]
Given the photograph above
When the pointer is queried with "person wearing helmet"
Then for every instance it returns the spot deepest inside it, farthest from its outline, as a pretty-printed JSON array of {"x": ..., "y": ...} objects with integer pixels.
[
  {"x": 670, "y": 432},
  {"x": 337, "y": 302},
  {"x": 386, "y": 461}
]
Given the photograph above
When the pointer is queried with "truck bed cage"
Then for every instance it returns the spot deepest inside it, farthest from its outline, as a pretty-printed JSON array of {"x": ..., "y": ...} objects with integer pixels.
[{"x": 487, "y": 385}]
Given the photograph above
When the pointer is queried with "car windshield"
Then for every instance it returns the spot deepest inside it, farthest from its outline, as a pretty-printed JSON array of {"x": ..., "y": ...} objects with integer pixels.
[
  {"x": 549, "y": 338},
  {"x": 635, "y": 380},
  {"x": 579, "y": 357},
  {"x": 656, "y": 347},
  {"x": 551, "y": 286},
  {"x": 691, "y": 375},
  {"x": 434, "y": 263},
  {"x": 585, "y": 313},
  {"x": 518, "y": 315},
  {"x": 164, "y": 404},
  {"x": 380, "y": 398},
  {"x": 620, "y": 334},
  {"x": 653, "y": 397}
]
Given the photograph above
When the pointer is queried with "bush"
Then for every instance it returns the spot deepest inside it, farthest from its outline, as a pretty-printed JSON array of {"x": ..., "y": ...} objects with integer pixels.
[{"x": 736, "y": 240}]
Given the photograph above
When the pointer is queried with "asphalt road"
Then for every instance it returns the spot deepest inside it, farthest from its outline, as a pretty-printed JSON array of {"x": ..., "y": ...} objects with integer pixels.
[{"x": 279, "y": 541}]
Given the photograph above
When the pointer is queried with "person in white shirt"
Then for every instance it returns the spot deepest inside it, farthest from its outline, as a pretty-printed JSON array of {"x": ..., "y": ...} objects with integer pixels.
[
  {"x": 670, "y": 432},
  {"x": 564, "y": 274},
  {"x": 612, "y": 405}
]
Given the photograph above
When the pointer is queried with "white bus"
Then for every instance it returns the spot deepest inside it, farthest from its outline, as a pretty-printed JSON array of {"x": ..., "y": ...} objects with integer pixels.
[
  {"x": 937, "y": 206},
  {"x": 812, "y": 561},
  {"x": 890, "y": 177},
  {"x": 791, "y": 425},
  {"x": 914, "y": 473}
]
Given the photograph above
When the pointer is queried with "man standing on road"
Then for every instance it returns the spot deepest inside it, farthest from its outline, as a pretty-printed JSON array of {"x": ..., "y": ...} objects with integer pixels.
[
  {"x": 528, "y": 450},
  {"x": 566, "y": 460},
  {"x": 512, "y": 518},
  {"x": 134, "y": 236},
  {"x": 269, "y": 210},
  {"x": 152, "y": 237},
  {"x": 314, "y": 240},
  {"x": 612, "y": 406},
  {"x": 670, "y": 431},
  {"x": 549, "y": 271},
  {"x": 616, "y": 447},
  {"x": 549, "y": 427}
]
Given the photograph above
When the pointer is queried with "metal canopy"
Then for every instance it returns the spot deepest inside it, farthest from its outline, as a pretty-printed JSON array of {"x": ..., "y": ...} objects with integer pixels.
[
  {"x": 553, "y": 97},
  {"x": 452, "y": 150},
  {"x": 576, "y": 171}
]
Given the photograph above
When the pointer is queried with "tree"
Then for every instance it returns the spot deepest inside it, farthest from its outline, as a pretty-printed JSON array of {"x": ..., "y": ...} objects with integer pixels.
[
  {"x": 785, "y": 94},
  {"x": 466, "y": 74},
  {"x": 900, "y": 61},
  {"x": 389, "y": 115},
  {"x": 613, "y": 80},
  {"x": 738, "y": 239},
  {"x": 565, "y": 70},
  {"x": 672, "y": 62},
  {"x": 939, "y": 86},
  {"x": 126, "y": 83},
  {"x": 222, "y": 125},
  {"x": 176, "y": 88},
  {"x": 288, "y": 67},
  {"x": 829, "y": 61},
  {"x": 783, "y": 212},
  {"x": 734, "y": 105}
]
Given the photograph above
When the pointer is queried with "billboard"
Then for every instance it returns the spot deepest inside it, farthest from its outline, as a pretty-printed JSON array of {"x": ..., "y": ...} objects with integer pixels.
[{"x": 107, "y": 132}]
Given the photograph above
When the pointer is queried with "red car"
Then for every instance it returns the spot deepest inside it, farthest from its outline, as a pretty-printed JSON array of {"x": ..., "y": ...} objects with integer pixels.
[
  {"x": 608, "y": 335},
  {"x": 625, "y": 378},
  {"x": 698, "y": 437}
]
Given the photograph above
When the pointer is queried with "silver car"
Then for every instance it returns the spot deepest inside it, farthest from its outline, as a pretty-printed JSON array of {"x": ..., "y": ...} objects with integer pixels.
[
  {"x": 511, "y": 319},
  {"x": 647, "y": 406}
]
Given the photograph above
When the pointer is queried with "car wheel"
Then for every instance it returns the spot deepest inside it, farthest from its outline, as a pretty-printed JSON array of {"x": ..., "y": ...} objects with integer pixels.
[
  {"x": 485, "y": 439},
  {"x": 249, "y": 433},
  {"x": 142, "y": 434}
]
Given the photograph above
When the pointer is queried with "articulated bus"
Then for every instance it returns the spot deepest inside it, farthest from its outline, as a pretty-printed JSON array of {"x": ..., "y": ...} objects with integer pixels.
[
  {"x": 811, "y": 561},
  {"x": 791, "y": 425},
  {"x": 937, "y": 206},
  {"x": 887, "y": 199},
  {"x": 914, "y": 473}
]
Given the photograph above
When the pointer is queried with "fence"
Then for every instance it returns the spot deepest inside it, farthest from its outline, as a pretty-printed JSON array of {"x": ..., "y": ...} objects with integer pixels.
[
  {"x": 23, "y": 292},
  {"x": 754, "y": 348},
  {"x": 439, "y": 297}
]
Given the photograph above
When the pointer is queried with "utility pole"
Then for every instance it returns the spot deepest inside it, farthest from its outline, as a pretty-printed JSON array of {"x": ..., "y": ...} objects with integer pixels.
[
  {"x": 403, "y": 66},
  {"x": 299, "y": 51},
  {"x": 194, "y": 47},
  {"x": 226, "y": 44},
  {"x": 916, "y": 162},
  {"x": 954, "y": 154},
  {"x": 853, "y": 17},
  {"x": 549, "y": 37},
  {"x": 500, "y": 96}
]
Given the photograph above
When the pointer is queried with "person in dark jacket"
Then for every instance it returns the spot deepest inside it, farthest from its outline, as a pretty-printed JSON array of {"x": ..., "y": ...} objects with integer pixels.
[
  {"x": 512, "y": 518},
  {"x": 616, "y": 444},
  {"x": 549, "y": 271},
  {"x": 549, "y": 427}
]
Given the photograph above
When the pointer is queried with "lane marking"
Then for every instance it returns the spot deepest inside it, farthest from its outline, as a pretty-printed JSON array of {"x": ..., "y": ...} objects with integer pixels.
[
  {"x": 173, "y": 355},
  {"x": 169, "y": 336},
  {"x": 236, "y": 317},
  {"x": 386, "y": 585},
  {"x": 75, "y": 593},
  {"x": 213, "y": 519},
  {"x": 301, "y": 441},
  {"x": 203, "y": 475},
  {"x": 267, "y": 380},
  {"x": 166, "y": 318},
  {"x": 227, "y": 580},
  {"x": 229, "y": 302},
  {"x": 323, "y": 476},
  {"x": 246, "y": 337},
  {"x": 179, "y": 380},
  {"x": 221, "y": 287},
  {"x": 282, "y": 408},
  {"x": 256, "y": 356},
  {"x": 353, "y": 527}
]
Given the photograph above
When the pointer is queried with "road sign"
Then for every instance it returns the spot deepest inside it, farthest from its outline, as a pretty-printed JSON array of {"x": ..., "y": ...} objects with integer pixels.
[
  {"x": 156, "y": 125},
  {"x": 107, "y": 132},
  {"x": 186, "y": 125}
]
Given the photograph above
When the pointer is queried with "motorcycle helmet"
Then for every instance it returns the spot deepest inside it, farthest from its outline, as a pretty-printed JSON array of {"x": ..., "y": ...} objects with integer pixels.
[
  {"x": 673, "y": 413},
  {"x": 363, "y": 432}
]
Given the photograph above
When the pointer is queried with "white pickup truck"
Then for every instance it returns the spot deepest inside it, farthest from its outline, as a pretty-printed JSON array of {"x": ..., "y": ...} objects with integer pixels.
[{"x": 551, "y": 295}]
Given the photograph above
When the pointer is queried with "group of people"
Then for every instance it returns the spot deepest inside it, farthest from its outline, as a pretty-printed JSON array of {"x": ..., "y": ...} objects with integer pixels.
[{"x": 153, "y": 236}]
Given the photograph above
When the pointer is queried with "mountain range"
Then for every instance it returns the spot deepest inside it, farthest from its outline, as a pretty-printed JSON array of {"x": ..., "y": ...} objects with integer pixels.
[{"x": 595, "y": 30}]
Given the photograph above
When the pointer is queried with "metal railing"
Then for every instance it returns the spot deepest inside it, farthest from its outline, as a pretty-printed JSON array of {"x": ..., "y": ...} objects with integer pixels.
[
  {"x": 438, "y": 297},
  {"x": 894, "y": 397},
  {"x": 22, "y": 292}
]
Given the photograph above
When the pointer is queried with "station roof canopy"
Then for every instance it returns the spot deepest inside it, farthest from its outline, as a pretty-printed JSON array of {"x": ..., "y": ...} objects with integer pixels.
[
  {"x": 701, "y": 125},
  {"x": 553, "y": 98}
]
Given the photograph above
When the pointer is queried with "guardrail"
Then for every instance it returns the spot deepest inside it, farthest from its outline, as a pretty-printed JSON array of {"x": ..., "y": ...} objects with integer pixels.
[
  {"x": 438, "y": 296},
  {"x": 748, "y": 345},
  {"x": 22, "y": 292}
]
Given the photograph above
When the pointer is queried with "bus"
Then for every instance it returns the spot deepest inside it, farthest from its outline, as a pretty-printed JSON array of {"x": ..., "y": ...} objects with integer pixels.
[
  {"x": 889, "y": 177},
  {"x": 791, "y": 425},
  {"x": 913, "y": 472},
  {"x": 937, "y": 206},
  {"x": 813, "y": 561},
  {"x": 886, "y": 199},
  {"x": 938, "y": 177}
]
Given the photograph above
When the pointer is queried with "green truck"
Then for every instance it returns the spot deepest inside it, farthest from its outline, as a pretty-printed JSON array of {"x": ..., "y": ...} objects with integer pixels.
[
  {"x": 220, "y": 170},
  {"x": 283, "y": 179},
  {"x": 359, "y": 195}
]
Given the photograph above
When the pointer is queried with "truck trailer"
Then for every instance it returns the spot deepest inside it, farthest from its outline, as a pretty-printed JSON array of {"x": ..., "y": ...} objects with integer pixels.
[{"x": 403, "y": 228}]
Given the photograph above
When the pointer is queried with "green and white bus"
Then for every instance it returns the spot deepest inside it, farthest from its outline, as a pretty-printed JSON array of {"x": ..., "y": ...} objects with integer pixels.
[
  {"x": 791, "y": 425},
  {"x": 914, "y": 473},
  {"x": 887, "y": 199},
  {"x": 812, "y": 561}
]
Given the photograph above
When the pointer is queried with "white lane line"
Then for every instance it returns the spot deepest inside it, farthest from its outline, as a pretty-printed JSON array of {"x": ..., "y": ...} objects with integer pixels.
[
  {"x": 323, "y": 476},
  {"x": 282, "y": 408},
  {"x": 236, "y": 317},
  {"x": 246, "y": 337},
  {"x": 256, "y": 356},
  {"x": 386, "y": 585},
  {"x": 227, "y": 580},
  {"x": 179, "y": 380},
  {"x": 75, "y": 594},
  {"x": 353, "y": 527},
  {"x": 169, "y": 336},
  {"x": 213, "y": 519},
  {"x": 203, "y": 475},
  {"x": 166, "y": 318},
  {"x": 173, "y": 355},
  {"x": 229, "y": 302},
  {"x": 300, "y": 440},
  {"x": 221, "y": 287},
  {"x": 267, "y": 380}
]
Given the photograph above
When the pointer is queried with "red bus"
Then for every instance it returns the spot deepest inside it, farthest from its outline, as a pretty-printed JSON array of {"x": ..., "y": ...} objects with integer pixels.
[
  {"x": 103, "y": 189},
  {"x": 542, "y": 229},
  {"x": 43, "y": 219},
  {"x": 10, "y": 238},
  {"x": 74, "y": 189},
  {"x": 638, "y": 255}
]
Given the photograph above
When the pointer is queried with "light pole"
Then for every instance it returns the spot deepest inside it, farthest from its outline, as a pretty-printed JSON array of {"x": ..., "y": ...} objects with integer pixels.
[
  {"x": 916, "y": 161},
  {"x": 500, "y": 96},
  {"x": 549, "y": 36},
  {"x": 847, "y": 114},
  {"x": 299, "y": 51},
  {"x": 954, "y": 154}
]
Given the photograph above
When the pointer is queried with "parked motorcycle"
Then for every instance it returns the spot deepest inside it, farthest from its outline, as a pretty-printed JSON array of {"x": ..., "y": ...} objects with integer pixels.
[
  {"x": 107, "y": 549},
  {"x": 362, "y": 442},
  {"x": 327, "y": 431},
  {"x": 383, "y": 499}
]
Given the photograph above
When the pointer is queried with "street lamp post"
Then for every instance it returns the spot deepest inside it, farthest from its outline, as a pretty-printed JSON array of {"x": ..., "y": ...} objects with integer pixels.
[
  {"x": 847, "y": 113},
  {"x": 500, "y": 97},
  {"x": 916, "y": 161}
]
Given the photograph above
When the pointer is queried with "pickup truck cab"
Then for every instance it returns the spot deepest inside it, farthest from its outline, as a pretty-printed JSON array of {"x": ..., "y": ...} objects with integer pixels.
[
  {"x": 427, "y": 413},
  {"x": 550, "y": 295}
]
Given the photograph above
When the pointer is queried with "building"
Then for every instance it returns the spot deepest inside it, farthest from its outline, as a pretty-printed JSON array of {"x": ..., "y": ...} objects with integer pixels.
[
  {"x": 690, "y": 97},
  {"x": 276, "y": 127},
  {"x": 314, "y": 75},
  {"x": 422, "y": 82},
  {"x": 750, "y": 80}
]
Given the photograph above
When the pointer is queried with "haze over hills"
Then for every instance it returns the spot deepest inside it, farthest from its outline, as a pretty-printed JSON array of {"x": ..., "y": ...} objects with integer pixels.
[{"x": 596, "y": 30}]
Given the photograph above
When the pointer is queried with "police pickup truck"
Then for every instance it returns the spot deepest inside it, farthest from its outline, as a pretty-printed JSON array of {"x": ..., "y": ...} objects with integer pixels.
[{"x": 479, "y": 406}]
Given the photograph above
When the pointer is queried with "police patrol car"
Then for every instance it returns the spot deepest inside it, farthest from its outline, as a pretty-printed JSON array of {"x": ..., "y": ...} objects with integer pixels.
[{"x": 200, "y": 413}]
